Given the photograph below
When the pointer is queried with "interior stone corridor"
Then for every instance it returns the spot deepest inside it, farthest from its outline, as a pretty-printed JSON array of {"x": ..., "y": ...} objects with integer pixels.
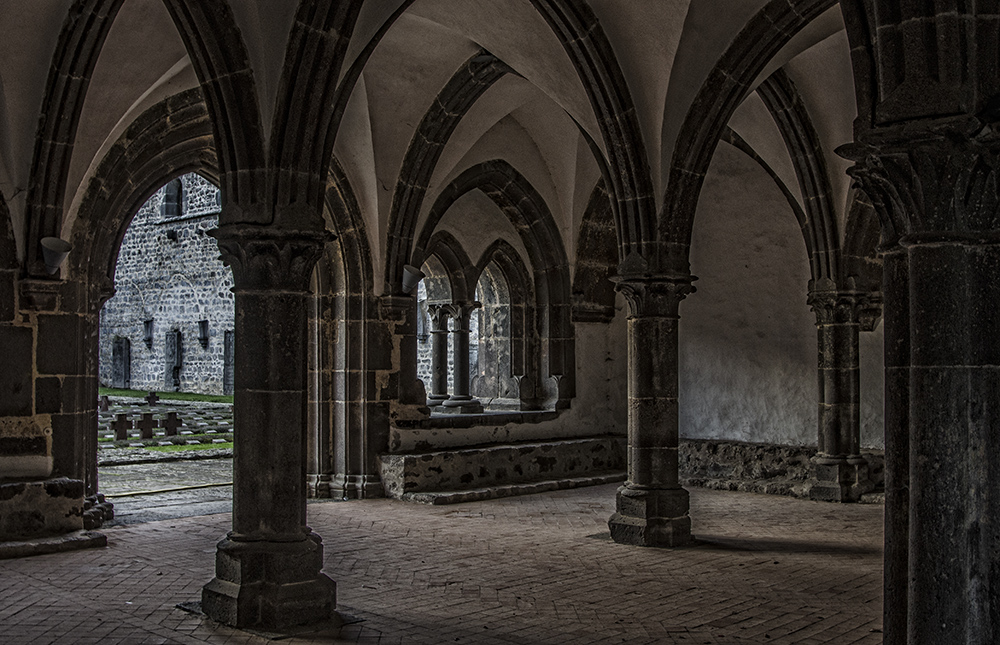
[{"x": 530, "y": 569}]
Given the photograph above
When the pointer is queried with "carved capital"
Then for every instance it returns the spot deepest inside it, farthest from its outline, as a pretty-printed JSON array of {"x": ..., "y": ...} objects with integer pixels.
[
  {"x": 270, "y": 258},
  {"x": 461, "y": 312},
  {"x": 846, "y": 307},
  {"x": 933, "y": 181},
  {"x": 439, "y": 315},
  {"x": 654, "y": 295}
]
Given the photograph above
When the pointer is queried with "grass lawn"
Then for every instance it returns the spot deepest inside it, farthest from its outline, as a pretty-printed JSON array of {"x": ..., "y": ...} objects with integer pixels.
[
  {"x": 172, "y": 396},
  {"x": 200, "y": 446}
]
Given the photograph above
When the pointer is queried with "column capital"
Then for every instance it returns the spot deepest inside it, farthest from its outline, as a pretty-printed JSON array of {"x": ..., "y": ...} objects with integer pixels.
[
  {"x": 461, "y": 310},
  {"x": 931, "y": 181},
  {"x": 655, "y": 295},
  {"x": 845, "y": 306},
  {"x": 439, "y": 315},
  {"x": 269, "y": 257}
]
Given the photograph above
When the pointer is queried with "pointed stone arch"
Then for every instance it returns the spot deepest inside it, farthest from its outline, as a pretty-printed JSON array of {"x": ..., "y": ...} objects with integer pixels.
[
  {"x": 456, "y": 263},
  {"x": 596, "y": 260},
  {"x": 628, "y": 173},
  {"x": 524, "y": 364},
  {"x": 80, "y": 41},
  {"x": 725, "y": 88},
  {"x": 476, "y": 75},
  {"x": 304, "y": 127},
  {"x": 220, "y": 60},
  {"x": 820, "y": 229},
  {"x": 527, "y": 211},
  {"x": 345, "y": 410},
  {"x": 170, "y": 139}
]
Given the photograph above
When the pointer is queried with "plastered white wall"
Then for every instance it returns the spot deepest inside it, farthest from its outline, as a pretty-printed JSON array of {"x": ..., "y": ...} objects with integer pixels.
[{"x": 747, "y": 338}]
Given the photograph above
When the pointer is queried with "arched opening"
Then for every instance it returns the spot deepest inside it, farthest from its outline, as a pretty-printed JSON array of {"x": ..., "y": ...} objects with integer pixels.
[
  {"x": 166, "y": 348},
  {"x": 493, "y": 381}
]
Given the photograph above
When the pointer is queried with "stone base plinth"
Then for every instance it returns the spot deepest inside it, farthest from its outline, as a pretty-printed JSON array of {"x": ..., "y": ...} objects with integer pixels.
[
  {"x": 269, "y": 585},
  {"x": 461, "y": 406},
  {"x": 653, "y": 517},
  {"x": 500, "y": 465},
  {"x": 436, "y": 400},
  {"x": 840, "y": 480},
  {"x": 40, "y": 508}
]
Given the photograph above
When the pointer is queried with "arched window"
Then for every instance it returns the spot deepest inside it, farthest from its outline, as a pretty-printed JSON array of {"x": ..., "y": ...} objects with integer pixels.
[
  {"x": 173, "y": 200},
  {"x": 493, "y": 371},
  {"x": 434, "y": 289}
]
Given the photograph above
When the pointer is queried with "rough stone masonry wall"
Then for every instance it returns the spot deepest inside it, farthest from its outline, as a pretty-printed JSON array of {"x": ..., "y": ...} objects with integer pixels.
[{"x": 176, "y": 283}]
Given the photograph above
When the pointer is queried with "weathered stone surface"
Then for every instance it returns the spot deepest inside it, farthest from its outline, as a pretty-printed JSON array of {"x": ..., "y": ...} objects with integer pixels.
[
  {"x": 756, "y": 468},
  {"x": 40, "y": 508},
  {"x": 15, "y": 377},
  {"x": 52, "y": 544},
  {"x": 470, "y": 468}
]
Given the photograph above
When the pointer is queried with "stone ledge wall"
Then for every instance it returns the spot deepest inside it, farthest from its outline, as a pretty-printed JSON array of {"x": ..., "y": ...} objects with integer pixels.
[
  {"x": 719, "y": 465},
  {"x": 756, "y": 468}
]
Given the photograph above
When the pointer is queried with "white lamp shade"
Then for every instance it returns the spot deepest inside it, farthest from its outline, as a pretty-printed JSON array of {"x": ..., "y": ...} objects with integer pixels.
[
  {"x": 411, "y": 277},
  {"x": 54, "y": 252}
]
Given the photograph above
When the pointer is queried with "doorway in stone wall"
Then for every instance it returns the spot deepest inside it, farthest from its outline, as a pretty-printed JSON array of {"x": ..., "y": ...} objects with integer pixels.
[{"x": 166, "y": 349}]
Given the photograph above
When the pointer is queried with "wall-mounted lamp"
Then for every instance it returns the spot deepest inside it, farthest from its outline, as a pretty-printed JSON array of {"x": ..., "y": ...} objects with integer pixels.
[
  {"x": 203, "y": 333},
  {"x": 411, "y": 278},
  {"x": 54, "y": 252},
  {"x": 147, "y": 332}
]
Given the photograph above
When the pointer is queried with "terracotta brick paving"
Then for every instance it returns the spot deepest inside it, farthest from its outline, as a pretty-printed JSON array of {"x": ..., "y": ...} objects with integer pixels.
[{"x": 532, "y": 569}]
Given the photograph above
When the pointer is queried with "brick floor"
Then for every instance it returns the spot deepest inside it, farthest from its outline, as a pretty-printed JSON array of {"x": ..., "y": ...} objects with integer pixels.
[{"x": 533, "y": 569}]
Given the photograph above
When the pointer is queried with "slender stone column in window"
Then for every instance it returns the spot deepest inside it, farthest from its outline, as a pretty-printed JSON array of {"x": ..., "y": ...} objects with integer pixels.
[
  {"x": 841, "y": 470},
  {"x": 652, "y": 508},
  {"x": 461, "y": 401},
  {"x": 935, "y": 187},
  {"x": 268, "y": 567},
  {"x": 439, "y": 315}
]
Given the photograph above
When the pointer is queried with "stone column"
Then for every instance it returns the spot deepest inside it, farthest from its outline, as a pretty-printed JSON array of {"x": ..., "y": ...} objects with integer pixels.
[
  {"x": 406, "y": 393},
  {"x": 841, "y": 471},
  {"x": 268, "y": 566},
  {"x": 934, "y": 184},
  {"x": 439, "y": 315},
  {"x": 461, "y": 401},
  {"x": 652, "y": 508}
]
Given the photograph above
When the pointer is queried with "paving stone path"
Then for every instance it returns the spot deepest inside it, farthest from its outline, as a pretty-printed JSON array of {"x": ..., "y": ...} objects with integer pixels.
[{"x": 537, "y": 569}]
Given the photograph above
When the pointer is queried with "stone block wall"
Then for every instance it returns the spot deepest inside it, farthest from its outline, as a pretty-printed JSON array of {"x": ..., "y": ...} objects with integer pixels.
[{"x": 169, "y": 272}]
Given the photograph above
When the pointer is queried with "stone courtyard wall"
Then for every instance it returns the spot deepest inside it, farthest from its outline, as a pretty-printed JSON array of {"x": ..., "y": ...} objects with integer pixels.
[{"x": 169, "y": 272}]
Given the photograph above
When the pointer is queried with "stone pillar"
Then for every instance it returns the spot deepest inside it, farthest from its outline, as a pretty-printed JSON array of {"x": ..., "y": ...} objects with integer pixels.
[
  {"x": 841, "y": 471},
  {"x": 394, "y": 351},
  {"x": 934, "y": 184},
  {"x": 652, "y": 508},
  {"x": 460, "y": 400},
  {"x": 896, "y": 517},
  {"x": 268, "y": 567},
  {"x": 439, "y": 315}
]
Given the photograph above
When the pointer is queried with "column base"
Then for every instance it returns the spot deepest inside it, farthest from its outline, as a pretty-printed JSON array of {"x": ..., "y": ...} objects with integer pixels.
[
  {"x": 269, "y": 585},
  {"x": 462, "y": 405},
  {"x": 435, "y": 400},
  {"x": 651, "y": 517},
  {"x": 840, "y": 479}
]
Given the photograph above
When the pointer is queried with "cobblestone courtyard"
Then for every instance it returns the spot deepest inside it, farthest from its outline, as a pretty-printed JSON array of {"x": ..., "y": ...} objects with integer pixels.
[{"x": 531, "y": 569}]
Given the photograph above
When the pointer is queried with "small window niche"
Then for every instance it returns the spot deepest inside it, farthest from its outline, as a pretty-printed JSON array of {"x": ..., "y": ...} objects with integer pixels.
[
  {"x": 203, "y": 333},
  {"x": 173, "y": 200},
  {"x": 147, "y": 332}
]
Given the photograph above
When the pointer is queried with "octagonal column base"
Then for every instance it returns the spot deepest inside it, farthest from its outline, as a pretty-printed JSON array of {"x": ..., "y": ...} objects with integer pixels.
[
  {"x": 840, "y": 480},
  {"x": 269, "y": 585},
  {"x": 651, "y": 517}
]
